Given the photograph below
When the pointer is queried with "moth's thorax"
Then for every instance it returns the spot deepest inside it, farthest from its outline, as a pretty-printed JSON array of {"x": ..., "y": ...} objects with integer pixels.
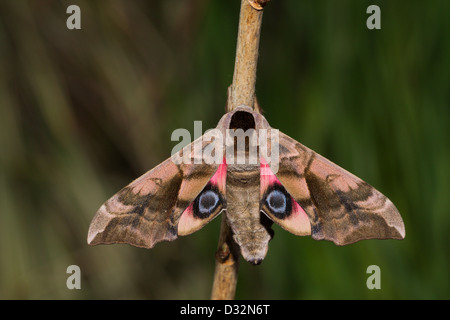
[{"x": 243, "y": 212}]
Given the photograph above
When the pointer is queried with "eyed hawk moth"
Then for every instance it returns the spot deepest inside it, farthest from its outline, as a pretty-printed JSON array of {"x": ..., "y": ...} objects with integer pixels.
[{"x": 306, "y": 195}]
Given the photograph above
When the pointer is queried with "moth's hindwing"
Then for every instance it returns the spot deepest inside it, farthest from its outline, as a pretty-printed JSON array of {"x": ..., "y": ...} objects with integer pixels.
[
  {"x": 280, "y": 206},
  {"x": 206, "y": 206}
]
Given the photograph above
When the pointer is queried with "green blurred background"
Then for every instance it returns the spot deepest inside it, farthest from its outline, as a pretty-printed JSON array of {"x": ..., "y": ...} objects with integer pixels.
[{"x": 82, "y": 113}]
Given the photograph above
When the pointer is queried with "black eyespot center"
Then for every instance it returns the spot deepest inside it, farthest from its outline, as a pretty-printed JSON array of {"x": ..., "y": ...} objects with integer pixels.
[
  {"x": 276, "y": 201},
  {"x": 208, "y": 201}
]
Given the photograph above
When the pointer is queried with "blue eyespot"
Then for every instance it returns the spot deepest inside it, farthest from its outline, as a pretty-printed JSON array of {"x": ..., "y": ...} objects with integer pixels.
[
  {"x": 278, "y": 201},
  {"x": 206, "y": 203}
]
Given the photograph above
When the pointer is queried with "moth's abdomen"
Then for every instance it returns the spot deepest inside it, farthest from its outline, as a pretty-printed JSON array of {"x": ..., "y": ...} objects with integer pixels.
[{"x": 251, "y": 230}]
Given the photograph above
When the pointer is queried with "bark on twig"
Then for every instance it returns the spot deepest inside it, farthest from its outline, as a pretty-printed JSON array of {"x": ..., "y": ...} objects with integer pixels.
[
  {"x": 242, "y": 92},
  {"x": 227, "y": 265},
  {"x": 244, "y": 77}
]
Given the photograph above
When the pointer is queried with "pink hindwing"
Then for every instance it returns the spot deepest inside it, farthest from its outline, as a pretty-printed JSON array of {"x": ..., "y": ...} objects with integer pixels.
[
  {"x": 280, "y": 206},
  {"x": 207, "y": 205}
]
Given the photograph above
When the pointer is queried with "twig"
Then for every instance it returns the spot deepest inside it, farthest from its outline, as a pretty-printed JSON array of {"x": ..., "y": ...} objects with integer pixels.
[
  {"x": 244, "y": 78},
  {"x": 227, "y": 265},
  {"x": 242, "y": 92}
]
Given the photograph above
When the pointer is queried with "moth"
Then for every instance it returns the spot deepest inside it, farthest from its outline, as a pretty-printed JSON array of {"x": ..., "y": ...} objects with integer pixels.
[{"x": 304, "y": 193}]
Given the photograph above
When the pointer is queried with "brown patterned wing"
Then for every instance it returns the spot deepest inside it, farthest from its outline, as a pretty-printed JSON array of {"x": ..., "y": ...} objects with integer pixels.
[
  {"x": 148, "y": 210},
  {"x": 341, "y": 207}
]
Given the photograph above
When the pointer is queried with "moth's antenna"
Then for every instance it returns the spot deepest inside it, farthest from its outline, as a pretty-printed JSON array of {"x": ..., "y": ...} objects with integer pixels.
[{"x": 241, "y": 92}]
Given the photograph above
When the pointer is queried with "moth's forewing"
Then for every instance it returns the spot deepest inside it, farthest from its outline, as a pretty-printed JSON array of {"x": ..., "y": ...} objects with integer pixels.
[
  {"x": 341, "y": 207},
  {"x": 148, "y": 210}
]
